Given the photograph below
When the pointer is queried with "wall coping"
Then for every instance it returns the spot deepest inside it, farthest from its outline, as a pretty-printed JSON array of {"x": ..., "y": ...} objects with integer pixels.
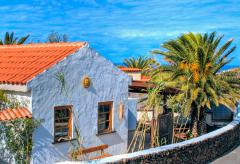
[{"x": 204, "y": 137}]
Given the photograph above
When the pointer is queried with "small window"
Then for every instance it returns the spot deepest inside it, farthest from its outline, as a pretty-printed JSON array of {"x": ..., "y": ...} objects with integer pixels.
[
  {"x": 62, "y": 123},
  {"x": 104, "y": 117}
]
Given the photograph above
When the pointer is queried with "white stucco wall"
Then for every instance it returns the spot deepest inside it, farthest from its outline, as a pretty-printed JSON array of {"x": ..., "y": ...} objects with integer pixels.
[
  {"x": 142, "y": 113},
  {"x": 23, "y": 98},
  {"x": 108, "y": 83},
  {"x": 135, "y": 75}
]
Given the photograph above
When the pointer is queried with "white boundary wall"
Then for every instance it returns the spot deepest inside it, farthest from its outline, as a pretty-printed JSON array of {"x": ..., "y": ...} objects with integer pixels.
[{"x": 213, "y": 134}]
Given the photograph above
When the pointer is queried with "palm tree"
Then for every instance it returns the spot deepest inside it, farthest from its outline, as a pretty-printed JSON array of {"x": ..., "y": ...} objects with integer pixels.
[
  {"x": 140, "y": 62},
  {"x": 195, "y": 61},
  {"x": 3, "y": 100},
  {"x": 11, "y": 39},
  {"x": 144, "y": 63}
]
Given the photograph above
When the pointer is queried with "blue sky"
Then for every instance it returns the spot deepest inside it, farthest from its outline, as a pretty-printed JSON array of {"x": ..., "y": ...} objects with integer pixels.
[{"x": 121, "y": 28}]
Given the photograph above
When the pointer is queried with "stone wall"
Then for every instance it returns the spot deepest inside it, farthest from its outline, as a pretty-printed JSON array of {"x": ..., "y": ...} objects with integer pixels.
[{"x": 202, "y": 149}]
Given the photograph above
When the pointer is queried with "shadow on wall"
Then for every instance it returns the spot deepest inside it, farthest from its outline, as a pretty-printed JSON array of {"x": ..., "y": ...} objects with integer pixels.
[
  {"x": 92, "y": 89},
  {"x": 222, "y": 113},
  {"x": 111, "y": 139},
  {"x": 132, "y": 120},
  {"x": 44, "y": 151}
]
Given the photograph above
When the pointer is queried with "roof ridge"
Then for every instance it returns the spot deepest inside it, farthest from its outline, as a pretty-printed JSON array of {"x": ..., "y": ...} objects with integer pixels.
[{"x": 34, "y": 45}]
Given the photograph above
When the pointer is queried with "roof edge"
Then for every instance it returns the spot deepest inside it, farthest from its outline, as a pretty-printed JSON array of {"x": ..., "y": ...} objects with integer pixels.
[
  {"x": 15, "y": 113},
  {"x": 34, "y": 45},
  {"x": 129, "y": 69},
  {"x": 14, "y": 87},
  {"x": 85, "y": 45}
]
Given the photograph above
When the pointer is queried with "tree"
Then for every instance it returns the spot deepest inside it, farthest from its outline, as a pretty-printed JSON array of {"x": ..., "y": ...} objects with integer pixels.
[
  {"x": 17, "y": 136},
  {"x": 11, "y": 39},
  {"x": 140, "y": 62},
  {"x": 195, "y": 61},
  {"x": 145, "y": 63},
  {"x": 55, "y": 37}
]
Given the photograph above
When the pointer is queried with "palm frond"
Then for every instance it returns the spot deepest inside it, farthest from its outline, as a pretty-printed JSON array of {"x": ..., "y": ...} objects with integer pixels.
[{"x": 11, "y": 39}]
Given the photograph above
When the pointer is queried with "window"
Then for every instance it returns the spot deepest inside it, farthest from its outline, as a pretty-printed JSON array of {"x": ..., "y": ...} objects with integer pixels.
[
  {"x": 62, "y": 123},
  {"x": 104, "y": 117}
]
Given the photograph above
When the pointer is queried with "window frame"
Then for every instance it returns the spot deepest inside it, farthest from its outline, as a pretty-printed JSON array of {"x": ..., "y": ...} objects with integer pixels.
[
  {"x": 110, "y": 129},
  {"x": 70, "y": 122}
]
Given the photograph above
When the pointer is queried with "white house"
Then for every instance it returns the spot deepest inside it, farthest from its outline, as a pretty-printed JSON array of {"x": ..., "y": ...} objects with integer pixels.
[
  {"x": 139, "y": 83},
  {"x": 67, "y": 85}
]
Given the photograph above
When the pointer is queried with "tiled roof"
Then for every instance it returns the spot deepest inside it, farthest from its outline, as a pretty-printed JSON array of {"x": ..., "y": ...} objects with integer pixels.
[
  {"x": 145, "y": 78},
  {"x": 235, "y": 70},
  {"x": 126, "y": 69},
  {"x": 11, "y": 114},
  {"x": 20, "y": 63}
]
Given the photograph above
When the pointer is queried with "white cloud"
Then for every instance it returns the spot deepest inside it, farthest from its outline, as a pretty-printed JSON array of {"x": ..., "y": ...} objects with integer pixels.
[{"x": 142, "y": 33}]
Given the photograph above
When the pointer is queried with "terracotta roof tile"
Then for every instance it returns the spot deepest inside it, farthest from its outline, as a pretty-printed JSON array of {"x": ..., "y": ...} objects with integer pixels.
[
  {"x": 126, "y": 69},
  {"x": 236, "y": 70},
  {"x": 11, "y": 114},
  {"x": 145, "y": 78},
  {"x": 20, "y": 63}
]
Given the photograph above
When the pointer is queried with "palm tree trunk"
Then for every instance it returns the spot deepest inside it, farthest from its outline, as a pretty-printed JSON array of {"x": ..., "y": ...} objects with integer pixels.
[
  {"x": 194, "y": 120},
  {"x": 202, "y": 125}
]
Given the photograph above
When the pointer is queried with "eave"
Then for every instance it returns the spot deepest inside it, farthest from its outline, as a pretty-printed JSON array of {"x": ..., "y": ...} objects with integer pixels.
[{"x": 14, "y": 87}]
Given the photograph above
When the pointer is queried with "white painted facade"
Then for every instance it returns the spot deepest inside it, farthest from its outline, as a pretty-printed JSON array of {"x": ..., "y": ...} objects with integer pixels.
[
  {"x": 24, "y": 98},
  {"x": 108, "y": 83},
  {"x": 135, "y": 75}
]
